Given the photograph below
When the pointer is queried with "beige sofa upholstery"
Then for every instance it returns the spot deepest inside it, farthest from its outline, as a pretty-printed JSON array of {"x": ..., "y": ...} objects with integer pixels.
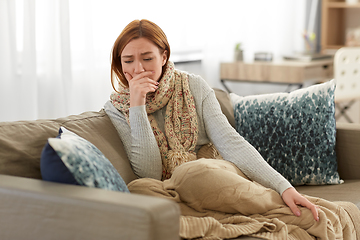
[{"x": 34, "y": 209}]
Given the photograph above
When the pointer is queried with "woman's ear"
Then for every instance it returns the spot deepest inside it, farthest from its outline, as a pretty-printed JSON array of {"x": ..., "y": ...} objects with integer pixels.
[{"x": 164, "y": 56}]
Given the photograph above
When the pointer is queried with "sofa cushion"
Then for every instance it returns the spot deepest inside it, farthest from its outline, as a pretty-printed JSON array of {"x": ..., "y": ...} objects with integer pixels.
[
  {"x": 22, "y": 142},
  {"x": 347, "y": 192},
  {"x": 294, "y": 132},
  {"x": 69, "y": 153},
  {"x": 348, "y": 150},
  {"x": 225, "y": 104}
]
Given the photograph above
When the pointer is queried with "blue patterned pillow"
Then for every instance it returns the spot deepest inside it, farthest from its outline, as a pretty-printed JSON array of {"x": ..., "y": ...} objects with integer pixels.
[
  {"x": 294, "y": 132},
  {"x": 74, "y": 160}
]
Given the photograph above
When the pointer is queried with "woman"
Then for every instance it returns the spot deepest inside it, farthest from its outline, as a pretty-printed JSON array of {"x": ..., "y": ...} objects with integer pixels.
[{"x": 164, "y": 116}]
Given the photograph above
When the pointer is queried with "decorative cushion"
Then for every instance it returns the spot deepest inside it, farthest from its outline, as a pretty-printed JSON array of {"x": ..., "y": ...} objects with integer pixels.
[
  {"x": 68, "y": 158},
  {"x": 294, "y": 132}
]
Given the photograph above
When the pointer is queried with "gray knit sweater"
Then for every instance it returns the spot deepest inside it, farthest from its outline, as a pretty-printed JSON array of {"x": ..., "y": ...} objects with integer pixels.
[{"x": 144, "y": 155}]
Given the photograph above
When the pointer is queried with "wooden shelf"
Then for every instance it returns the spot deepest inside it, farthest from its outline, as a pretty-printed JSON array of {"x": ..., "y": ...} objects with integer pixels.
[
  {"x": 335, "y": 23},
  {"x": 342, "y": 5},
  {"x": 334, "y": 46},
  {"x": 289, "y": 72}
]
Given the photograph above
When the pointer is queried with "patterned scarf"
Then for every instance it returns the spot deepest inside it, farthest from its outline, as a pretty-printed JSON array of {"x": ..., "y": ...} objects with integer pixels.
[{"x": 178, "y": 144}]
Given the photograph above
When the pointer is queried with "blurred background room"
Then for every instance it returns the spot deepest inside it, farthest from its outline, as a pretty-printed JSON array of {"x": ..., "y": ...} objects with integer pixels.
[{"x": 55, "y": 54}]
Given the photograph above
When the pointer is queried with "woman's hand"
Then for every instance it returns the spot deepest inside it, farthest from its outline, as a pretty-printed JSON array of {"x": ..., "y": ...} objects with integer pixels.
[
  {"x": 292, "y": 198},
  {"x": 139, "y": 86}
]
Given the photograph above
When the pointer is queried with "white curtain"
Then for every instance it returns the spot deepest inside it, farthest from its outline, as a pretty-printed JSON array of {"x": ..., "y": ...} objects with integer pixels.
[{"x": 55, "y": 54}]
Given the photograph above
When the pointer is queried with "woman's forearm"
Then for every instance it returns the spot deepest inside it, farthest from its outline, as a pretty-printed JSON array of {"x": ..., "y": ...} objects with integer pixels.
[
  {"x": 236, "y": 149},
  {"x": 138, "y": 139}
]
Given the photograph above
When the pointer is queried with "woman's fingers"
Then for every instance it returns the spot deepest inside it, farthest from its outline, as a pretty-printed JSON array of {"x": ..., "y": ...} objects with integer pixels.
[
  {"x": 314, "y": 209},
  {"x": 292, "y": 198},
  {"x": 144, "y": 76},
  {"x": 139, "y": 86},
  {"x": 143, "y": 84},
  {"x": 294, "y": 208}
]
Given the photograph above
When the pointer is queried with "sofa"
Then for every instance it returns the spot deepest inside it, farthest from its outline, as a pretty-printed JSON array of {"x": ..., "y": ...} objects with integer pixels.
[{"x": 32, "y": 208}]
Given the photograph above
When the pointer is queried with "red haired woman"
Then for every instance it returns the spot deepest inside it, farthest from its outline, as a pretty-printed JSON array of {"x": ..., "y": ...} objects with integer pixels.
[{"x": 164, "y": 116}]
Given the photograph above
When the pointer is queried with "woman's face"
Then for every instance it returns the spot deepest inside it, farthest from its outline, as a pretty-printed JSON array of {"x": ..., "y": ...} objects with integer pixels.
[{"x": 141, "y": 55}]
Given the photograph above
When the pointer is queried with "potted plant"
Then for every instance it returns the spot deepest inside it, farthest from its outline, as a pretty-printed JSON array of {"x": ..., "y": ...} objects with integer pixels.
[{"x": 238, "y": 55}]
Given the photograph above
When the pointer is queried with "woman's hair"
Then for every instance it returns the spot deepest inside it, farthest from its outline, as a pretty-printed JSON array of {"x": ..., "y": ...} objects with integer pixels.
[{"x": 134, "y": 30}]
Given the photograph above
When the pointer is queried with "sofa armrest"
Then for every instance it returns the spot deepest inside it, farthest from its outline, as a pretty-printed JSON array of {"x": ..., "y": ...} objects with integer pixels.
[
  {"x": 348, "y": 150},
  {"x": 35, "y": 209}
]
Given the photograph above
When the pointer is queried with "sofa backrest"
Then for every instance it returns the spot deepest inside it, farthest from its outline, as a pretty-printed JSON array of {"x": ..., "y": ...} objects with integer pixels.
[
  {"x": 226, "y": 105},
  {"x": 21, "y": 142}
]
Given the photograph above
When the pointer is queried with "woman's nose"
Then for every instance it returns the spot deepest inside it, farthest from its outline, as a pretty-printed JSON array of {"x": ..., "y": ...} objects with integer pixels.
[{"x": 139, "y": 67}]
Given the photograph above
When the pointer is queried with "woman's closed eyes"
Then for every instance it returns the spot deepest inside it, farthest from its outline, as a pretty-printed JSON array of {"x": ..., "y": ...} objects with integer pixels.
[{"x": 145, "y": 59}]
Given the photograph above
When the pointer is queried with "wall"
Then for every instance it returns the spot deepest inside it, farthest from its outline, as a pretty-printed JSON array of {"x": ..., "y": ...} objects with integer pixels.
[{"x": 60, "y": 62}]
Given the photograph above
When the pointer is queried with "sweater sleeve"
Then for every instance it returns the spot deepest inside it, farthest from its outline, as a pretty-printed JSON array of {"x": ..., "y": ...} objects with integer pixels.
[
  {"x": 138, "y": 139},
  {"x": 234, "y": 148}
]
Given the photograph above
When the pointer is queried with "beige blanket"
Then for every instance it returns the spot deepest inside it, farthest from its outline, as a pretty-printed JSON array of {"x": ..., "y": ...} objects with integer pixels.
[{"x": 217, "y": 201}]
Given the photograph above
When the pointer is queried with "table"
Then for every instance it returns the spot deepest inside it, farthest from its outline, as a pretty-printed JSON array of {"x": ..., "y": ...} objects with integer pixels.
[{"x": 277, "y": 72}]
